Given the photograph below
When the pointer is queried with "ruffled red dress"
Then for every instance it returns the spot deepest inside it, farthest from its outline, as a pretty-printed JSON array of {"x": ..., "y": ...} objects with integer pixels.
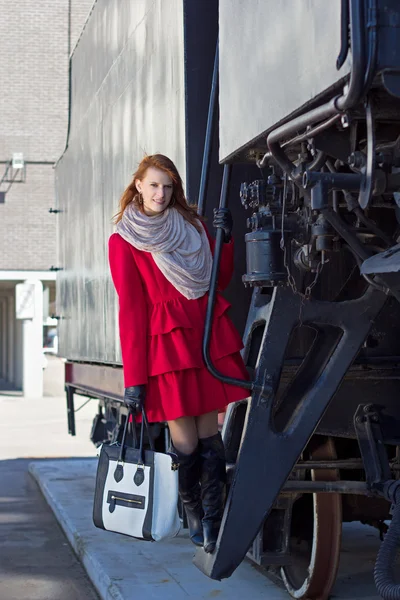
[{"x": 161, "y": 335}]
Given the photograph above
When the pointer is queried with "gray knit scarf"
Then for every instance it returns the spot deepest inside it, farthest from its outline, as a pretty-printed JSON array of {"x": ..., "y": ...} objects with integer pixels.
[{"x": 181, "y": 253}]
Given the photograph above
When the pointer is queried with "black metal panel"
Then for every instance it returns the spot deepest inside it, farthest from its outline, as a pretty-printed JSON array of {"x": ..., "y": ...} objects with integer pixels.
[
  {"x": 200, "y": 36},
  {"x": 277, "y": 451}
]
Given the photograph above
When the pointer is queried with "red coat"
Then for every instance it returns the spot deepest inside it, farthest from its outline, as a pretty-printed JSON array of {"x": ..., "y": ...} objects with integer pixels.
[{"x": 161, "y": 336}]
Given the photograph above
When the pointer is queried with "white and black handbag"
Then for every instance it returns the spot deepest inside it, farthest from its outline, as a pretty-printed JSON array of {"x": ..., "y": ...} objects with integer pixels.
[{"x": 136, "y": 490}]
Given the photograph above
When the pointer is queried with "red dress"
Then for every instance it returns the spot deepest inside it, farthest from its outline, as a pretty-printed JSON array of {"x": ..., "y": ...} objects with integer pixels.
[{"x": 161, "y": 335}]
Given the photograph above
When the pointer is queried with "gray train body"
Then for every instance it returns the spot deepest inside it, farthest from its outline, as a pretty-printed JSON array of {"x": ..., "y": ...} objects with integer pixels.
[
  {"x": 134, "y": 92},
  {"x": 124, "y": 102},
  {"x": 279, "y": 60},
  {"x": 307, "y": 156}
]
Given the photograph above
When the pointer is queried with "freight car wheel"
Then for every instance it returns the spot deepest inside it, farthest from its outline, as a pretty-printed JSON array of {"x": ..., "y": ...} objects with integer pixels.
[{"x": 315, "y": 536}]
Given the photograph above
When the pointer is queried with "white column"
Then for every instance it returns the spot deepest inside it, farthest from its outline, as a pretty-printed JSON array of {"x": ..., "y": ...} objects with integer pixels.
[
  {"x": 32, "y": 346},
  {"x": 11, "y": 338},
  {"x": 3, "y": 338}
]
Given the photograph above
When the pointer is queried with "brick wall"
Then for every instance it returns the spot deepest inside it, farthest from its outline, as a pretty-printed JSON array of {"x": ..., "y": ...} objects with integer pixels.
[{"x": 33, "y": 119}]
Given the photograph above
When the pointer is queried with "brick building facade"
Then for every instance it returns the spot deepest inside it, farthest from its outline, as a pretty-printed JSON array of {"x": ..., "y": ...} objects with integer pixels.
[{"x": 36, "y": 39}]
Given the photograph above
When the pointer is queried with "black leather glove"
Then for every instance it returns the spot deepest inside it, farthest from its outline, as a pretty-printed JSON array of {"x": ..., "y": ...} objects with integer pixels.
[
  {"x": 223, "y": 220},
  {"x": 134, "y": 397}
]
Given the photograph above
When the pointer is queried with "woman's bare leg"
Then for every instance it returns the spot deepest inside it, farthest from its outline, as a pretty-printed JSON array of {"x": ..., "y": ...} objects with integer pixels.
[
  {"x": 207, "y": 424},
  {"x": 184, "y": 434}
]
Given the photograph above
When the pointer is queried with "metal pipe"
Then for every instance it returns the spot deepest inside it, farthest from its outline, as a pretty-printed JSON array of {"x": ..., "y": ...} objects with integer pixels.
[
  {"x": 313, "y": 131},
  {"x": 336, "y": 105},
  {"x": 301, "y": 138},
  {"x": 372, "y": 26},
  {"x": 338, "y": 181},
  {"x": 318, "y": 161},
  {"x": 327, "y": 487},
  {"x": 205, "y": 169},
  {"x": 335, "y": 201},
  {"x": 344, "y": 48},
  {"x": 325, "y": 111},
  {"x": 69, "y": 82},
  {"x": 357, "y": 77},
  {"x": 352, "y": 463},
  {"x": 385, "y": 582},
  {"x": 212, "y": 294}
]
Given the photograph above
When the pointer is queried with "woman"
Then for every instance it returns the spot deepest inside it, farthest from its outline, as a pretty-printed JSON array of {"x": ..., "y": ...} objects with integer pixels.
[{"x": 160, "y": 259}]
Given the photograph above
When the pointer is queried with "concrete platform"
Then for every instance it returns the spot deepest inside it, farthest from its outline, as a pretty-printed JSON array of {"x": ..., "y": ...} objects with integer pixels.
[{"x": 122, "y": 568}]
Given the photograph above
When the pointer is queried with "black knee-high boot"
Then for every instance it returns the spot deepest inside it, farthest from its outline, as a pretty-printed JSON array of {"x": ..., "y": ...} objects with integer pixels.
[
  {"x": 189, "y": 492},
  {"x": 213, "y": 486}
]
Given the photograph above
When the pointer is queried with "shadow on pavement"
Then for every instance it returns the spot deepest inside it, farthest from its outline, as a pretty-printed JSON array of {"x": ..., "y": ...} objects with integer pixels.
[{"x": 36, "y": 561}]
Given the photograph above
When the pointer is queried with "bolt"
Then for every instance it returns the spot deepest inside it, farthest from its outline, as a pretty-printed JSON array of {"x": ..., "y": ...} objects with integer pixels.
[
  {"x": 356, "y": 160},
  {"x": 345, "y": 121}
]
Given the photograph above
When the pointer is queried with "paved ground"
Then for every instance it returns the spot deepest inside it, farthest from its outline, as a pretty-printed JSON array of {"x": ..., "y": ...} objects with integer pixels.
[
  {"x": 123, "y": 568},
  {"x": 36, "y": 560},
  {"x": 126, "y": 569}
]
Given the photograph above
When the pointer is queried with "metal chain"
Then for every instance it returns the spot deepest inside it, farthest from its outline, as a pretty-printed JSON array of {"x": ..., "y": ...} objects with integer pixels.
[
  {"x": 291, "y": 279},
  {"x": 308, "y": 290}
]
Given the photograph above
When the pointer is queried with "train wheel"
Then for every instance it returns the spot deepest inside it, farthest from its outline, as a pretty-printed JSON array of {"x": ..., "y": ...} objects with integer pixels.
[{"x": 315, "y": 536}]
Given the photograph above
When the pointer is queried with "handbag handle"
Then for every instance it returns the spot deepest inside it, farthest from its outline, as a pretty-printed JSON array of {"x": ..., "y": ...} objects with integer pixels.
[
  {"x": 144, "y": 425},
  {"x": 122, "y": 448}
]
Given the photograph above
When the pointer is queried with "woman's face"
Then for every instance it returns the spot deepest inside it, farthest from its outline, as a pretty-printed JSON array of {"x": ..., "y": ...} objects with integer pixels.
[{"x": 156, "y": 190}]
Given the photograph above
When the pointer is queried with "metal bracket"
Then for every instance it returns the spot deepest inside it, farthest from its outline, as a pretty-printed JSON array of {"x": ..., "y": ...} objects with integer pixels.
[
  {"x": 277, "y": 528},
  {"x": 6, "y": 178},
  {"x": 70, "y": 391},
  {"x": 369, "y": 433}
]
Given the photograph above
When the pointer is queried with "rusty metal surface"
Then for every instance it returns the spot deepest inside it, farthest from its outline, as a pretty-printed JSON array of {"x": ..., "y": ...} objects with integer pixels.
[
  {"x": 127, "y": 99},
  {"x": 315, "y": 563},
  {"x": 99, "y": 380}
]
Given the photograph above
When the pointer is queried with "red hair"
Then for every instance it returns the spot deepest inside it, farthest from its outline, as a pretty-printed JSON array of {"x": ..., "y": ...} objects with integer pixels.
[{"x": 159, "y": 161}]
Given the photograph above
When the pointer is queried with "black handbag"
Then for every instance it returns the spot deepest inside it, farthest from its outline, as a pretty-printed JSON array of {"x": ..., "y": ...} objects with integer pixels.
[{"x": 136, "y": 489}]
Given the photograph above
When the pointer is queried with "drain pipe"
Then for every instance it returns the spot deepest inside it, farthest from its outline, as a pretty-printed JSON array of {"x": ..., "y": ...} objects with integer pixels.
[{"x": 383, "y": 572}]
